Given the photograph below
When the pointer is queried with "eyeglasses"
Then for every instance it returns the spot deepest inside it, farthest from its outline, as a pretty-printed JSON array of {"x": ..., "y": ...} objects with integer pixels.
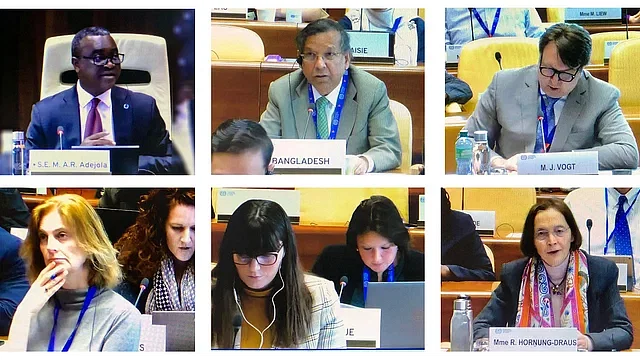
[
  {"x": 558, "y": 231},
  {"x": 264, "y": 259},
  {"x": 562, "y": 75},
  {"x": 312, "y": 57},
  {"x": 100, "y": 60}
]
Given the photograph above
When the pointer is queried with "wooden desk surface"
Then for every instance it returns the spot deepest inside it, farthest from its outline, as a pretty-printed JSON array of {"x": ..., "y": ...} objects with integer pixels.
[
  {"x": 278, "y": 37},
  {"x": 311, "y": 240},
  {"x": 241, "y": 90},
  {"x": 480, "y": 292}
]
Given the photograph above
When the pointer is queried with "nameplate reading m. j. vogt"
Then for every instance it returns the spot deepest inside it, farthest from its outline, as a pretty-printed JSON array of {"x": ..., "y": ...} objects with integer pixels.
[
  {"x": 300, "y": 156},
  {"x": 559, "y": 163},
  {"x": 69, "y": 162},
  {"x": 532, "y": 339}
]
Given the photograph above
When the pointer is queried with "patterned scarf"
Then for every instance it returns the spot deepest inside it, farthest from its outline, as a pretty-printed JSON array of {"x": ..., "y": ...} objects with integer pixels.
[
  {"x": 534, "y": 301},
  {"x": 164, "y": 294}
]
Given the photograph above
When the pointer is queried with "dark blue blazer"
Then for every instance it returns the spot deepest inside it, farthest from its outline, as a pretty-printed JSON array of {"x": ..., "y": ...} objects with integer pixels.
[
  {"x": 462, "y": 250},
  {"x": 13, "y": 279},
  {"x": 136, "y": 121},
  {"x": 609, "y": 325}
]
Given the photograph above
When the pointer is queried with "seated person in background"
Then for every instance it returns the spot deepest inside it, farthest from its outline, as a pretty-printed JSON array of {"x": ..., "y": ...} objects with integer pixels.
[
  {"x": 615, "y": 219},
  {"x": 463, "y": 256},
  {"x": 95, "y": 112},
  {"x": 13, "y": 279},
  {"x": 72, "y": 267},
  {"x": 350, "y": 103},
  {"x": 13, "y": 210},
  {"x": 160, "y": 246},
  {"x": 580, "y": 289},
  {"x": 241, "y": 147},
  {"x": 555, "y": 106},
  {"x": 489, "y": 22},
  {"x": 455, "y": 90},
  {"x": 259, "y": 287},
  {"x": 122, "y": 198},
  {"x": 408, "y": 30},
  {"x": 378, "y": 249}
]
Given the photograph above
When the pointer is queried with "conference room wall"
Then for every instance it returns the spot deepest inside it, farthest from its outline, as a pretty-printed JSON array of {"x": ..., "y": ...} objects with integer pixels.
[{"x": 24, "y": 33}]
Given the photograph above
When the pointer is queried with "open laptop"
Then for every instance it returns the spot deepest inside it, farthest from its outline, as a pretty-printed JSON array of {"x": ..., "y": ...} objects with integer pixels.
[
  {"x": 123, "y": 158},
  {"x": 181, "y": 328},
  {"x": 402, "y": 313}
]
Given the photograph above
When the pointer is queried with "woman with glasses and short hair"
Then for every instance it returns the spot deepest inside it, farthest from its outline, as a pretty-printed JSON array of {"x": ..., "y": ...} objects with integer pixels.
[
  {"x": 260, "y": 296},
  {"x": 377, "y": 249},
  {"x": 72, "y": 267},
  {"x": 558, "y": 285}
]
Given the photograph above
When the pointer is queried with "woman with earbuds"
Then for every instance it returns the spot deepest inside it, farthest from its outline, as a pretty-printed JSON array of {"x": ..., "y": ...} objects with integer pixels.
[{"x": 260, "y": 296}]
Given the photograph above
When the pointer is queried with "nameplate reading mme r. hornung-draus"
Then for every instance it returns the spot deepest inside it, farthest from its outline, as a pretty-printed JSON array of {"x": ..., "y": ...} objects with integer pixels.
[{"x": 532, "y": 339}]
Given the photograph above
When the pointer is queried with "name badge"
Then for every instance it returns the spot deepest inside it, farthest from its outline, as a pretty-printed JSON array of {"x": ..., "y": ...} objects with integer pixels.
[
  {"x": 93, "y": 162},
  {"x": 485, "y": 221},
  {"x": 308, "y": 156},
  {"x": 581, "y": 14},
  {"x": 533, "y": 339},
  {"x": 453, "y": 53},
  {"x": 608, "y": 48},
  {"x": 371, "y": 44},
  {"x": 361, "y": 326},
  {"x": 560, "y": 163},
  {"x": 229, "y": 199}
]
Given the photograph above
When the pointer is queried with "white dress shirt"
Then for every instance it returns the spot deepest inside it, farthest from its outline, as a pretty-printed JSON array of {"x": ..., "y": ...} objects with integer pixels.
[{"x": 104, "y": 109}]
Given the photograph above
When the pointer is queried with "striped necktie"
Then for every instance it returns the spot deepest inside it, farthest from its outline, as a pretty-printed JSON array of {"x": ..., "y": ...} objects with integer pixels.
[{"x": 322, "y": 125}]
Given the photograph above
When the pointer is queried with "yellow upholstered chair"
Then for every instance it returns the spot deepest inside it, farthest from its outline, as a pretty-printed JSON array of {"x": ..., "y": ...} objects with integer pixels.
[
  {"x": 510, "y": 204},
  {"x": 555, "y": 15},
  {"x": 334, "y": 206},
  {"x": 452, "y": 127},
  {"x": 624, "y": 66},
  {"x": 455, "y": 197},
  {"x": 405, "y": 130},
  {"x": 478, "y": 64},
  {"x": 235, "y": 43},
  {"x": 598, "y": 40}
]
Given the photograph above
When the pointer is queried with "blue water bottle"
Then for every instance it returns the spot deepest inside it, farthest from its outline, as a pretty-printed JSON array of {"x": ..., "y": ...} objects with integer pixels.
[{"x": 464, "y": 153}]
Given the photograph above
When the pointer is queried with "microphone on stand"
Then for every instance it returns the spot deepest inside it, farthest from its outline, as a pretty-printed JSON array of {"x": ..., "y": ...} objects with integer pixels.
[
  {"x": 626, "y": 23},
  {"x": 589, "y": 225},
  {"x": 310, "y": 110},
  {"x": 343, "y": 282},
  {"x": 143, "y": 286},
  {"x": 471, "y": 19},
  {"x": 361, "y": 19},
  {"x": 498, "y": 58},
  {"x": 60, "y": 132}
]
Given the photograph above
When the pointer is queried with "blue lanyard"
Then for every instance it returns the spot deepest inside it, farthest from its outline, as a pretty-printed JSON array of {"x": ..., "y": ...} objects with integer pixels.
[
  {"x": 606, "y": 206},
  {"x": 548, "y": 129},
  {"x": 335, "y": 121},
  {"x": 56, "y": 312},
  {"x": 365, "y": 279},
  {"x": 496, "y": 18}
]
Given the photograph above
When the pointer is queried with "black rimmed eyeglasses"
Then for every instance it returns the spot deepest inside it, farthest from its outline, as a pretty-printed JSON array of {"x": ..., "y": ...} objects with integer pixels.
[
  {"x": 562, "y": 75},
  {"x": 100, "y": 60},
  {"x": 264, "y": 259}
]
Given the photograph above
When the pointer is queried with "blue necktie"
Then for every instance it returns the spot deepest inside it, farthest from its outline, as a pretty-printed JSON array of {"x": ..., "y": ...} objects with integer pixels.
[{"x": 621, "y": 231}]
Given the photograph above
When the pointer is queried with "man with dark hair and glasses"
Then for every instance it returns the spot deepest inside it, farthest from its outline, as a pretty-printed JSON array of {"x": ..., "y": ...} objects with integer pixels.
[
  {"x": 555, "y": 106},
  {"x": 95, "y": 112},
  {"x": 350, "y": 103}
]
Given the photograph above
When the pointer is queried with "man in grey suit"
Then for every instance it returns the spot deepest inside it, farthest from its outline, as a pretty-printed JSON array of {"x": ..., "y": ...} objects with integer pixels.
[
  {"x": 555, "y": 106},
  {"x": 350, "y": 103}
]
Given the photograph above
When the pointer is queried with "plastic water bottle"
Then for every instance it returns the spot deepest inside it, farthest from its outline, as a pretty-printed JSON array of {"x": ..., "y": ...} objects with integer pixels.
[
  {"x": 18, "y": 166},
  {"x": 460, "y": 327},
  {"x": 481, "y": 164},
  {"x": 464, "y": 153}
]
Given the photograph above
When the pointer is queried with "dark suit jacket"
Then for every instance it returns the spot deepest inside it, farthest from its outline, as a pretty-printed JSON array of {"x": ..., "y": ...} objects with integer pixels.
[
  {"x": 609, "y": 325},
  {"x": 338, "y": 260},
  {"x": 136, "y": 121},
  {"x": 462, "y": 250},
  {"x": 13, "y": 280}
]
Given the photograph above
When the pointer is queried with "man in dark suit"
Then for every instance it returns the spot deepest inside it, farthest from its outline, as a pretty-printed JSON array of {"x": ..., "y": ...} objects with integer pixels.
[
  {"x": 13, "y": 279},
  {"x": 95, "y": 112}
]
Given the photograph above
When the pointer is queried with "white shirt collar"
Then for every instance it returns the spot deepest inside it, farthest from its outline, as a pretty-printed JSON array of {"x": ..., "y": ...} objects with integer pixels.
[
  {"x": 332, "y": 96},
  {"x": 84, "y": 98}
]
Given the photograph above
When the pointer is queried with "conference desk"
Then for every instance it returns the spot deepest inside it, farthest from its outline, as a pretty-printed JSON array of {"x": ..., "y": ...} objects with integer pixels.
[
  {"x": 240, "y": 90},
  {"x": 454, "y": 122},
  {"x": 480, "y": 292},
  {"x": 278, "y": 37},
  {"x": 310, "y": 240}
]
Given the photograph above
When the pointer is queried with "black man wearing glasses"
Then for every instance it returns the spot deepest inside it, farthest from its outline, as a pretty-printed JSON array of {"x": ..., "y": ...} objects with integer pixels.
[{"x": 555, "y": 106}]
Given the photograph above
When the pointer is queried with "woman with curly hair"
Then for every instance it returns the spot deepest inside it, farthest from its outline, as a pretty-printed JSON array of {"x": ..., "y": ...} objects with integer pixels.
[{"x": 160, "y": 246}]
